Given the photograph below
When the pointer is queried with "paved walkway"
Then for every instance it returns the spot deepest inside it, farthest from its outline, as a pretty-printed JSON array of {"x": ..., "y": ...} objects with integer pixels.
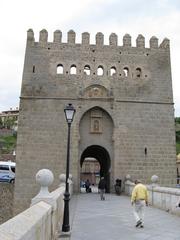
[{"x": 112, "y": 219}]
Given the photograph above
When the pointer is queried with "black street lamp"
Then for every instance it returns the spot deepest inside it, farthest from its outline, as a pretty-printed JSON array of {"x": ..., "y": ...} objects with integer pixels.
[{"x": 69, "y": 114}]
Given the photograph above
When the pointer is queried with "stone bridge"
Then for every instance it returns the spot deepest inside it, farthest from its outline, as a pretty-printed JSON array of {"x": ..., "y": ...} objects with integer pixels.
[{"x": 91, "y": 218}]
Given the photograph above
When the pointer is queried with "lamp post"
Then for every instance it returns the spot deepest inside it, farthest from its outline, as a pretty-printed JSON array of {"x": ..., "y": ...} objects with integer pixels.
[{"x": 69, "y": 114}]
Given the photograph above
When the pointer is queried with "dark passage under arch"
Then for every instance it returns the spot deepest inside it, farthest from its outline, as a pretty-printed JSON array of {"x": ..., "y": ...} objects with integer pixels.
[{"x": 102, "y": 156}]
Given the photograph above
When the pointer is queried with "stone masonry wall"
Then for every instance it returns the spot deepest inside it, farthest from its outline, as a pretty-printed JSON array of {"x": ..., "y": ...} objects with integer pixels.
[{"x": 147, "y": 126}]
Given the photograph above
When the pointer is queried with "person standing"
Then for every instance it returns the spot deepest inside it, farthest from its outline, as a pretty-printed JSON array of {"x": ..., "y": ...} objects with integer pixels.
[
  {"x": 139, "y": 199},
  {"x": 87, "y": 185},
  {"x": 101, "y": 187}
]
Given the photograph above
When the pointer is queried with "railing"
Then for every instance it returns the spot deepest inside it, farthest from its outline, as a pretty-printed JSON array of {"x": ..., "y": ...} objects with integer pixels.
[
  {"x": 44, "y": 217},
  {"x": 161, "y": 197}
]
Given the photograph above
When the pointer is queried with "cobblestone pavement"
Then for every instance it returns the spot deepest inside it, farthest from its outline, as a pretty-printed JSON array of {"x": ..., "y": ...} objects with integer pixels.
[{"x": 113, "y": 219}]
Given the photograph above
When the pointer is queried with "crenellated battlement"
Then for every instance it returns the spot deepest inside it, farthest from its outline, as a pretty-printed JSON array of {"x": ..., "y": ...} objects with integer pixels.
[{"x": 99, "y": 39}]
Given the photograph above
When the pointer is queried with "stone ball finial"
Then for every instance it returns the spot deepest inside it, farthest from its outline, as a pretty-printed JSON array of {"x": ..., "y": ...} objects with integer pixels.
[
  {"x": 154, "y": 179},
  {"x": 128, "y": 177},
  {"x": 44, "y": 177},
  {"x": 62, "y": 177}
]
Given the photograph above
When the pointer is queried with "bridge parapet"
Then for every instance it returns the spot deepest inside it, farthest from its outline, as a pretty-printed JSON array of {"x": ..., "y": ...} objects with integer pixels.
[
  {"x": 165, "y": 198},
  {"x": 45, "y": 215}
]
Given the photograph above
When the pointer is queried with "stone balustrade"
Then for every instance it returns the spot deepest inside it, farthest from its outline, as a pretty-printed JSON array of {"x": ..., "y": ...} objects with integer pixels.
[
  {"x": 45, "y": 215},
  {"x": 161, "y": 197}
]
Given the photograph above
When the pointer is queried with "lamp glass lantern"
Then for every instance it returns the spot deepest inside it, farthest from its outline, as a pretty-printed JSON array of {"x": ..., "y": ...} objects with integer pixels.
[{"x": 69, "y": 113}]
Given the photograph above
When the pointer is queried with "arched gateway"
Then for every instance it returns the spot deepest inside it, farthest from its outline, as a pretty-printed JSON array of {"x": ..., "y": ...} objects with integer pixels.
[
  {"x": 103, "y": 157},
  {"x": 124, "y": 110},
  {"x": 96, "y": 140}
]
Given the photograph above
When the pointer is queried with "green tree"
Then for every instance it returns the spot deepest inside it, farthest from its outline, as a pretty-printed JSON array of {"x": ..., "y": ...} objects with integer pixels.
[
  {"x": 9, "y": 122},
  {"x": 177, "y": 120}
]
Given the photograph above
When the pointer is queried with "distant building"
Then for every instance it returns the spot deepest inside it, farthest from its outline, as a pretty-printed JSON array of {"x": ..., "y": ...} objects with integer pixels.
[
  {"x": 9, "y": 119},
  {"x": 90, "y": 170}
]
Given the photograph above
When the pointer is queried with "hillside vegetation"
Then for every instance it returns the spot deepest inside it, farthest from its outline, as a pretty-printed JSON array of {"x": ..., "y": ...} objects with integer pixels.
[{"x": 7, "y": 144}]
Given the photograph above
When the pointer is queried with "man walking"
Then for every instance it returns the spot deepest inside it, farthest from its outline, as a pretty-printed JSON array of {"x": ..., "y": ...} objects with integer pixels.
[
  {"x": 101, "y": 187},
  {"x": 139, "y": 199}
]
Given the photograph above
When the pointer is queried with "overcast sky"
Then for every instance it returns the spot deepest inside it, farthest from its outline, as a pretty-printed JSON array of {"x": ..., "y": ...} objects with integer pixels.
[{"x": 160, "y": 18}]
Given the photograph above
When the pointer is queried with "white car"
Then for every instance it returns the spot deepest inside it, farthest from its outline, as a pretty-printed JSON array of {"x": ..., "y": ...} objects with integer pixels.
[{"x": 7, "y": 171}]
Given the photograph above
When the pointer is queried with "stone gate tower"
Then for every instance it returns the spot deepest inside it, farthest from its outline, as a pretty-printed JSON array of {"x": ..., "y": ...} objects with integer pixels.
[{"x": 124, "y": 110}]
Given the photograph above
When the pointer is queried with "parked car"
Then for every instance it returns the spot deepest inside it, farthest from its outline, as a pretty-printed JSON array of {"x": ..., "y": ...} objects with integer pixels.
[{"x": 7, "y": 171}]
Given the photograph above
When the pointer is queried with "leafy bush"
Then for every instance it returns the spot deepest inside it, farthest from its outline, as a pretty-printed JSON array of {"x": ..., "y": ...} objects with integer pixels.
[
  {"x": 8, "y": 143},
  {"x": 177, "y": 120}
]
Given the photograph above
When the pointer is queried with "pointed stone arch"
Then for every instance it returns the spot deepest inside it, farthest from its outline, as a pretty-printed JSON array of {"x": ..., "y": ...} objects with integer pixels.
[{"x": 96, "y": 140}]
